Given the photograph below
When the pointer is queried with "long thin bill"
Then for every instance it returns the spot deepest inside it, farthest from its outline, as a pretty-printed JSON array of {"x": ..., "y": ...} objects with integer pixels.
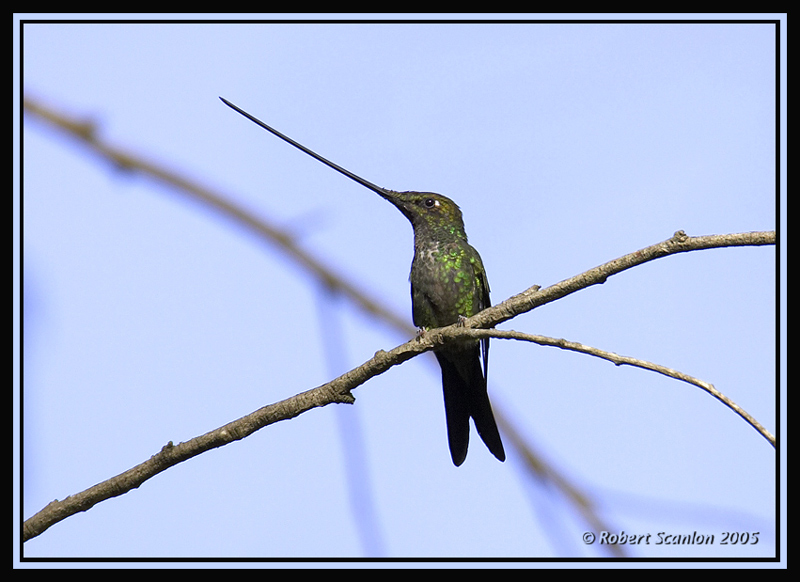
[{"x": 382, "y": 191}]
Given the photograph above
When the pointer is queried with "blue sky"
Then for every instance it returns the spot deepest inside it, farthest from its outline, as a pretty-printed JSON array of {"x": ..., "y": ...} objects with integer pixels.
[{"x": 149, "y": 318}]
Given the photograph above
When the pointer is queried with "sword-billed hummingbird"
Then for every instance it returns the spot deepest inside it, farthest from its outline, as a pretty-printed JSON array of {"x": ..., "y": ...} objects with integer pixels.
[{"x": 448, "y": 282}]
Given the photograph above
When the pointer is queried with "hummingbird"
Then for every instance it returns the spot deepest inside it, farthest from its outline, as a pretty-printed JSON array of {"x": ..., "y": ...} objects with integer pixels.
[{"x": 448, "y": 284}]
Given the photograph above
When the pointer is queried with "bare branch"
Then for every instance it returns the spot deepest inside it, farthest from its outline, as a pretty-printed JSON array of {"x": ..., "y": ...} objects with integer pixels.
[
  {"x": 679, "y": 243},
  {"x": 626, "y": 361},
  {"x": 338, "y": 390}
]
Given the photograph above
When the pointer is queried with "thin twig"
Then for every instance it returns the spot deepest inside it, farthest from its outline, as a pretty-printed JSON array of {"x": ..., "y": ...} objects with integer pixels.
[{"x": 626, "y": 361}]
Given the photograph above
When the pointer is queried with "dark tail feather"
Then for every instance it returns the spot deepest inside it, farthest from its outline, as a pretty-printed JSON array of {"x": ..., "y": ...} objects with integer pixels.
[
  {"x": 464, "y": 398},
  {"x": 485, "y": 423},
  {"x": 456, "y": 409}
]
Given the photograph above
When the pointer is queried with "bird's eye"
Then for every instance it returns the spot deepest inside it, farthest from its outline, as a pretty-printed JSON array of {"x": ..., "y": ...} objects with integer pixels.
[{"x": 429, "y": 202}]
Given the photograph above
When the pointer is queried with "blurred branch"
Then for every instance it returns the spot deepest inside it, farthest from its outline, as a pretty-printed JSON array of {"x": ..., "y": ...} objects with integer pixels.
[
  {"x": 86, "y": 133},
  {"x": 579, "y": 500},
  {"x": 338, "y": 390}
]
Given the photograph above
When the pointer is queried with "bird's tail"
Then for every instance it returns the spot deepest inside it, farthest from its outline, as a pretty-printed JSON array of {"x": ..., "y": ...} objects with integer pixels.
[{"x": 465, "y": 396}]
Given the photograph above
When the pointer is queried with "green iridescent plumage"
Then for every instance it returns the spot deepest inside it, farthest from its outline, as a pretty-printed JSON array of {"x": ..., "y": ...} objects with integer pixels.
[{"x": 448, "y": 282}]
